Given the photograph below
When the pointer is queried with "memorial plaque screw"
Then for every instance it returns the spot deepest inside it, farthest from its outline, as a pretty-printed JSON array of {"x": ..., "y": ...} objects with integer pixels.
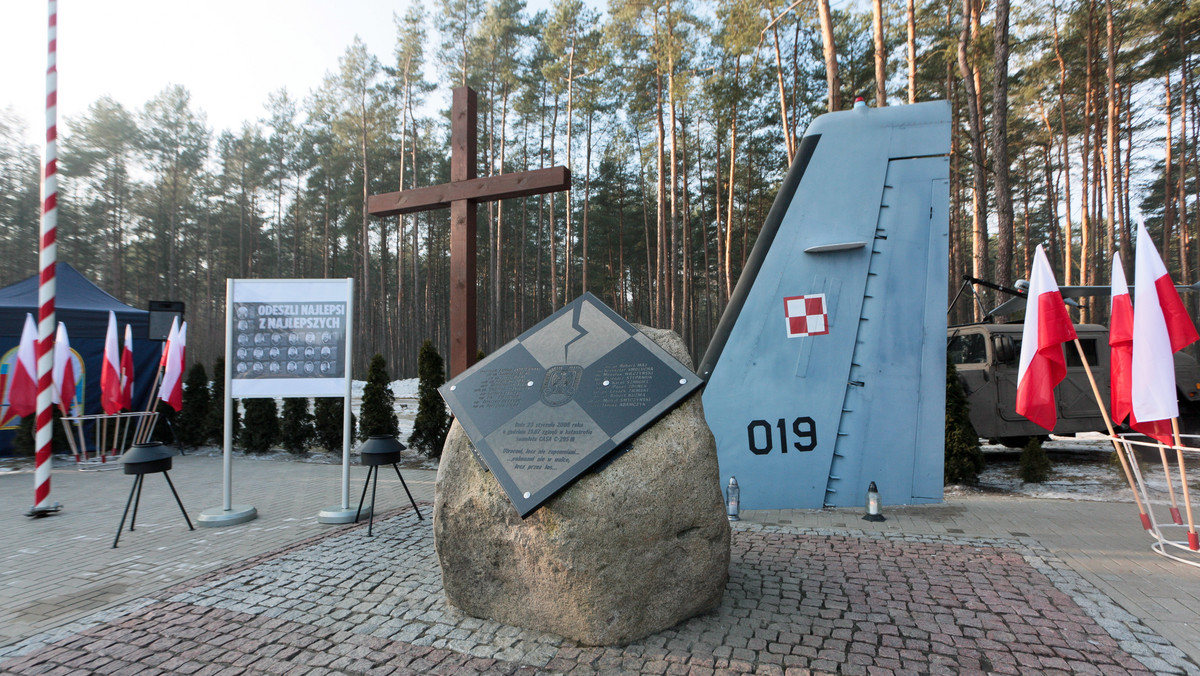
[
  {"x": 873, "y": 511},
  {"x": 733, "y": 499}
]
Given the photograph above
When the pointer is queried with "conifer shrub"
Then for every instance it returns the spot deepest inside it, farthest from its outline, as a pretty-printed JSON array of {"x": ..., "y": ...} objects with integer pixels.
[
  {"x": 1035, "y": 464},
  {"x": 327, "y": 423},
  {"x": 964, "y": 459},
  {"x": 215, "y": 428},
  {"x": 261, "y": 429},
  {"x": 377, "y": 414},
  {"x": 191, "y": 428},
  {"x": 296, "y": 431},
  {"x": 432, "y": 422}
]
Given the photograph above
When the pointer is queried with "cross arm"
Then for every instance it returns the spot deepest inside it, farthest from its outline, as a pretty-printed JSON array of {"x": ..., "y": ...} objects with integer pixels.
[{"x": 488, "y": 188}]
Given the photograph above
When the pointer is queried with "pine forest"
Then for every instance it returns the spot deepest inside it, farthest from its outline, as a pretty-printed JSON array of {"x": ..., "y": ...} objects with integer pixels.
[{"x": 677, "y": 119}]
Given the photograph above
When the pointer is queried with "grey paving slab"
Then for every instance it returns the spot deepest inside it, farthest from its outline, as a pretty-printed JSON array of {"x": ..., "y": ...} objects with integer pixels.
[{"x": 986, "y": 583}]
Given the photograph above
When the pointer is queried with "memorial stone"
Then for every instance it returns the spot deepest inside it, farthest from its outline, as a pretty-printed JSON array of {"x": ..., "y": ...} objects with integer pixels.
[{"x": 623, "y": 551}]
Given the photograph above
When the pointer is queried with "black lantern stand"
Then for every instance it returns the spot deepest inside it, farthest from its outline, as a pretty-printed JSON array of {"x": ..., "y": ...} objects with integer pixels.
[
  {"x": 140, "y": 460},
  {"x": 381, "y": 449}
]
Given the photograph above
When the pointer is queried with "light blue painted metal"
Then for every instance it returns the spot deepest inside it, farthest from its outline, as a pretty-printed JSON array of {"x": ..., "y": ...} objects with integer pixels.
[{"x": 810, "y": 421}]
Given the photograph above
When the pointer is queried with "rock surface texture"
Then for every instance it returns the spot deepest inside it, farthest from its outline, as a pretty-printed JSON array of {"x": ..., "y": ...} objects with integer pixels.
[{"x": 624, "y": 552}]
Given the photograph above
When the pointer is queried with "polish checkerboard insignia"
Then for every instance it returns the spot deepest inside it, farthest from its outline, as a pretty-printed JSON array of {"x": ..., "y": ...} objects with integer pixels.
[{"x": 806, "y": 315}]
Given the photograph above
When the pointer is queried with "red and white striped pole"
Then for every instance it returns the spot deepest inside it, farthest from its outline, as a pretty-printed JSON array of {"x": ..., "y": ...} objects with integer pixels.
[{"x": 47, "y": 255}]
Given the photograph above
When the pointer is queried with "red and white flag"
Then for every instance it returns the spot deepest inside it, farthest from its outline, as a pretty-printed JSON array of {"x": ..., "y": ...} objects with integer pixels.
[
  {"x": 127, "y": 370},
  {"x": 1161, "y": 327},
  {"x": 64, "y": 372},
  {"x": 172, "y": 382},
  {"x": 1120, "y": 341},
  {"x": 22, "y": 394},
  {"x": 110, "y": 370},
  {"x": 1047, "y": 327},
  {"x": 182, "y": 348}
]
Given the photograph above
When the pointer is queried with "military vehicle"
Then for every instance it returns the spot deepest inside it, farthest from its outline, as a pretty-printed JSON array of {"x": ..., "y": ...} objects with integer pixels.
[{"x": 986, "y": 357}]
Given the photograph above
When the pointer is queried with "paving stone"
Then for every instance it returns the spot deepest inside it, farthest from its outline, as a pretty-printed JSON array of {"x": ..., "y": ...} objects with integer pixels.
[{"x": 799, "y": 600}]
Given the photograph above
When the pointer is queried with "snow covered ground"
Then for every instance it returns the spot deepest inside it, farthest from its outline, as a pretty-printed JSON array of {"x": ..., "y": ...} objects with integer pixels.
[{"x": 1083, "y": 469}]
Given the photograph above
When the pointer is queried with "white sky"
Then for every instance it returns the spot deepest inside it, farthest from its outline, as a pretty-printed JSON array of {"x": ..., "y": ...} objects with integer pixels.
[{"x": 228, "y": 53}]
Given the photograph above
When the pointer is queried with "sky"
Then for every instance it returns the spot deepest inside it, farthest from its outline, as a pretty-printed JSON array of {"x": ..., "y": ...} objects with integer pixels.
[{"x": 230, "y": 54}]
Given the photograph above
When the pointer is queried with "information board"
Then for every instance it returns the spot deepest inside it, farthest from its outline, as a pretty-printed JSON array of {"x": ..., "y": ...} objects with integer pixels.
[{"x": 288, "y": 337}]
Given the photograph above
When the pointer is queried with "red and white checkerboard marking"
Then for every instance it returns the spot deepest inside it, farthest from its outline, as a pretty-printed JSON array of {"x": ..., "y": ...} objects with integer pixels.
[{"x": 806, "y": 315}]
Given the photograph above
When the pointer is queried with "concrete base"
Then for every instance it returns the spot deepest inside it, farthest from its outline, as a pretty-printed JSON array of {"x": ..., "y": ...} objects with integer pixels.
[
  {"x": 336, "y": 514},
  {"x": 39, "y": 512},
  {"x": 218, "y": 517}
]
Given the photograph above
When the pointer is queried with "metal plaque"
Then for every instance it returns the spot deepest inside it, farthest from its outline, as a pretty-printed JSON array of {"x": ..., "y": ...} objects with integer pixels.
[{"x": 562, "y": 397}]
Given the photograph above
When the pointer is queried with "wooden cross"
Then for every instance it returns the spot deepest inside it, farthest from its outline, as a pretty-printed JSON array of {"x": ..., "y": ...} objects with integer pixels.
[{"x": 461, "y": 195}]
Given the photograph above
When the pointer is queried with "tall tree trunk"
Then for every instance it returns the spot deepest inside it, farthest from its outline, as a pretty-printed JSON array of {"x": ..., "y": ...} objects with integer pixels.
[
  {"x": 1004, "y": 205},
  {"x": 727, "y": 264},
  {"x": 365, "y": 294},
  {"x": 587, "y": 198},
  {"x": 1064, "y": 150},
  {"x": 1127, "y": 165},
  {"x": 661, "y": 277},
  {"x": 498, "y": 235},
  {"x": 553, "y": 235},
  {"x": 673, "y": 231},
  {"x": 1085, "y": 220},
  {"x": 912, "y": 51},
  {"x": 789, "y": 137},
  {"x": 979, "y": 243},
  {"x": 1051, "y": 193},
  {"x": 567, "y": 198},
  {"x": 1183, "y": 167},
  {"x": 880, "y": 55},
  {"x": 830, "y": 49},
  {"x": 718, "y": 213}
]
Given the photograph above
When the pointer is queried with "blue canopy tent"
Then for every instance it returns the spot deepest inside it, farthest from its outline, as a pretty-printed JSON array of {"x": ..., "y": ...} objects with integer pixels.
[{"x": 84, "y": 308}]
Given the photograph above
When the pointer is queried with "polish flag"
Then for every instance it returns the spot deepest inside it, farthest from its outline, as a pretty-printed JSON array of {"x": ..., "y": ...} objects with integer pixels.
[
  {"x": 127, "y": 370},
  {"x": 22, "y": 394},
  {"x": 182, "y": 348},
  {"x": 63, "y": 392},
  {"x": 172, "y": 383},
  {"x": 1161, "y": 327},
  {"x": 1047, "y": 327},
  {"x": 110, "y": 370},
  {"x": 1120, "y": 341}
]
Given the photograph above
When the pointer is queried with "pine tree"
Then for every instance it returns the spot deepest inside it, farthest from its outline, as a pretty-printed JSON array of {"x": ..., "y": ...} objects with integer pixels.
[
  {"x": 964, "y": 459},
  {"x": 432, "y": 423},
  {"x": 261, "y": 431},
  {"x": 297, "y": 426},
  {"x": 215, "y": 428},
  {"x": 327, "y": 423},
  {"x": 191, "y": 426},
  {"x": 1035, "y": 464},
  {"x": 378, "y": 410}
]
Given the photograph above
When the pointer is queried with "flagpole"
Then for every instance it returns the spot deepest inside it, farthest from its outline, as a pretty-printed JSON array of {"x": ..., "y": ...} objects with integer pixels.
[
  {"x": 1162, "y": 451},
  {"x": 1193, "y": 540},
  {"x": 47, "y": 258},
  {"x": 139, "y": 438},
  {"x": 1112, "y": 436}
]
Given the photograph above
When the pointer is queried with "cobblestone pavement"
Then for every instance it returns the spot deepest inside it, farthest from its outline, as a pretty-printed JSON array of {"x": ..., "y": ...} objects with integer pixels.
[{"x": 799, "y": 600}]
